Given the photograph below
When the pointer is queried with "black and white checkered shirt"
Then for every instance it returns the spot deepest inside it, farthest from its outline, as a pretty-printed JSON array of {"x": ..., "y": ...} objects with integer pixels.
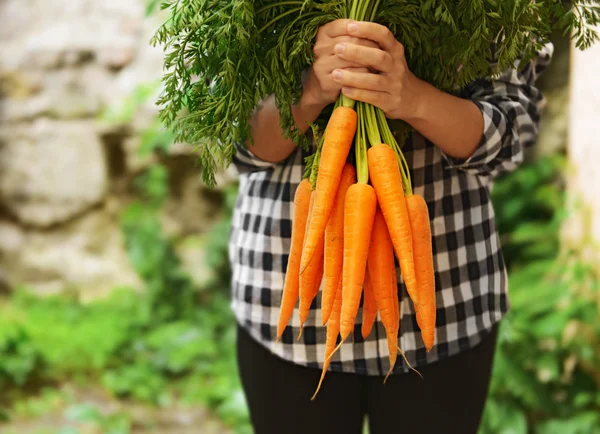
[{"x": 471, "y": 282}]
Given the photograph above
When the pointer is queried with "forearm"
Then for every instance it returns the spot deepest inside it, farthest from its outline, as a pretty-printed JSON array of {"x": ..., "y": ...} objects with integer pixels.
[
  {"x": 453, "y": 124},
  {"x": 269, "y": 142}
]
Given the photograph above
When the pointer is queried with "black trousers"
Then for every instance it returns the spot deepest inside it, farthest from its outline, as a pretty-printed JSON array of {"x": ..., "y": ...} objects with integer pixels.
[{"x": 450, "y": 399}]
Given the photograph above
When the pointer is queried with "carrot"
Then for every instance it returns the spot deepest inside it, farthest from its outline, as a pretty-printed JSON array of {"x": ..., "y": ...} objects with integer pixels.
[
  {"x": 319, "y": 279},
  {"x": 359, "y": 211},
  {"x": 387, "y": 182},
  {"x": 381, "y": 268},
  {"x": 369, "y": 307},
  {"x": 334, "y": 242},
  {"x": 333, "y": 331},
  {"x": 291, "y": 286},
  {"x": 337, "y": 141},
  {"x": 396, "y": 324},
  {"x": 395, "y": 296},
  {"x": 310, "y": 281},
  {"x": 424, "y": 270}
]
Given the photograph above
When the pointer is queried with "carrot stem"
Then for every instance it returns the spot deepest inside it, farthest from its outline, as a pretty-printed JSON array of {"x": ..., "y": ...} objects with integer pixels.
[
  {"x": 346, "y": 101},
  {"x": 372, "y": 125},
  {"x": 374, "y": 11},
  {"x": 362, "y": 168}
]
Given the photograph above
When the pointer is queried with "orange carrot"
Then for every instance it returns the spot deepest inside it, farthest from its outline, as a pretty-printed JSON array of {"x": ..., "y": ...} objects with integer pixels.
[
  {"x": 395, "y": 296},
  {"x": 387, "y": 182},
  {"x": 337, "y": 141},
  {"x": 291, "y": 286},
  {"x": 381, "y": 268},
  {"x": 334, "y": 242},
  {"x": 369, "y": 307},
  {"x": 333, "y": 331},
  {"x": 310, "y": 281},
  {"x": 359, "y": 211},
  {"x": 319, "y": 278},
  {"x": 424, "y": 270},
  {"x": 396, "y": 323}
]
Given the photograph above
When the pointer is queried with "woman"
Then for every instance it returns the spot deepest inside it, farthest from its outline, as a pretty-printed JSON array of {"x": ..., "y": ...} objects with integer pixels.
[{"x": 461, "y": 143}]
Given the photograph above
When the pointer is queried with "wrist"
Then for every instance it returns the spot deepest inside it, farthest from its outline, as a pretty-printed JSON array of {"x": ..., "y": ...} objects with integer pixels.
[
  {"x": 421, "y": 97},
  {"x": 310, "y": 105}
]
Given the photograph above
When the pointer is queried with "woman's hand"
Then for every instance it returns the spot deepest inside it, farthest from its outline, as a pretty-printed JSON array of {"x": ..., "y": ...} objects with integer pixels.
[
  {"x": 320, "y": 87},
  {"x": 454, "y": 124},
  {"x": 391, "y": 87}
]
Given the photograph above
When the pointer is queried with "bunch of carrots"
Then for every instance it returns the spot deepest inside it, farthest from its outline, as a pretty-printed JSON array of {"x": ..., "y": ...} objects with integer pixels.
[
  {"x": 347, "y": 245},
  {"x": 350, "y": 216}
]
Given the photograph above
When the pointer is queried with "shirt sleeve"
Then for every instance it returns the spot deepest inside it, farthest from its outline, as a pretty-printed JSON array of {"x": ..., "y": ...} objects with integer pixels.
[
  {"x": 245, "y": 161},
  {"x": 511, "y": 106}
]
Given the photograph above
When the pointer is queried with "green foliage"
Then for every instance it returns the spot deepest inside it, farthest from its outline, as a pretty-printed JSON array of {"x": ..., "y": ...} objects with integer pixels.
[
  {"x": 223, "y": 57},
  {"x": 19, "y": 360},
  {"x": 545, "y": 372},
  {"x": 173, "y": 341},
  {"x": 529, "y": 222}
]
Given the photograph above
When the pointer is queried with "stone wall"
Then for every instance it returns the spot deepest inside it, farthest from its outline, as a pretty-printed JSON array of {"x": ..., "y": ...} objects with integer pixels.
[{"x": 64, "y": 175}]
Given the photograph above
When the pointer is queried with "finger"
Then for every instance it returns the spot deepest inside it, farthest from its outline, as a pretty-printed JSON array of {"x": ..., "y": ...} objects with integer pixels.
[
  {"x": 335, "y": 62},
  {"x": 361, "y": 80},
  {"x": 352, "y": 40},
  {"x": 361, "y": 69},
  {"x": 373, "y": 57},
  {"x": 373, "y": 97},
  {"x": 336, "y": 28},
  {"x": 374, "y": 32}
]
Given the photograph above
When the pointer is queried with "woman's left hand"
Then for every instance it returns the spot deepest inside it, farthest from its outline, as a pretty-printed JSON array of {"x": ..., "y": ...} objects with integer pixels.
[{"x": 391, "y": 87}]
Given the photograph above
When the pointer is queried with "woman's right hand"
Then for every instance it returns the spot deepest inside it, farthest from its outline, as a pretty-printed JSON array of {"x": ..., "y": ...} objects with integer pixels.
[{"x": 320, "y": 89}]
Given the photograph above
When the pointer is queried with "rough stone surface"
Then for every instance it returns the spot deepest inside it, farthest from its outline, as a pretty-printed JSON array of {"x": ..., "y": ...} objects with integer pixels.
[
  {"x": 86, "y": 253},
  {"x": 70, "y": 144},
  {"x": 51, "y": 171}
]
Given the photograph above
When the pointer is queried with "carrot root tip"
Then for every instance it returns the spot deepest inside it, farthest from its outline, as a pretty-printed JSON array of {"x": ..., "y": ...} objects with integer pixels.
[
  {"x": 409, "y": 365},
  {"x": 328, "y": 358},
  {"x": 388, "y": 374},
  {"x": 320, "y": 382}
]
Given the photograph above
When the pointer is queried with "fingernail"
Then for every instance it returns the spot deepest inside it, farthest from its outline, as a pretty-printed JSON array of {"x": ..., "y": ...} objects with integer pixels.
[
  {"x": 339, "y": 48},
  {"x": 337, "y": 74},
  {"x": 352, "y": 27}
]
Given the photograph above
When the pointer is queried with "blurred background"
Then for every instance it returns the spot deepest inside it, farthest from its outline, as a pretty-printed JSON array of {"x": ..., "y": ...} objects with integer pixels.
[{"x": 114, "y": 281}]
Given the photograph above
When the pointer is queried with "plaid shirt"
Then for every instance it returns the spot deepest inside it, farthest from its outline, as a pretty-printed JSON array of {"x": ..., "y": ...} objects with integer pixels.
[{"x": 470, "y": 274}]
